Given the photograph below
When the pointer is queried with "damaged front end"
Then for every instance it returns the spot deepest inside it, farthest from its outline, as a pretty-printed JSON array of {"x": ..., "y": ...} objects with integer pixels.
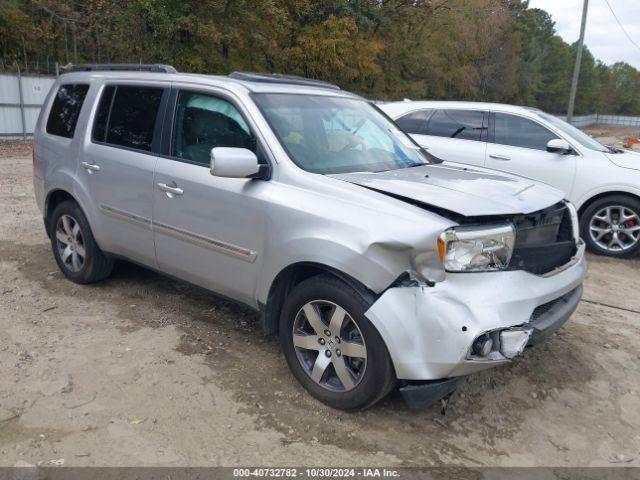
[{"x": 470, "y": 322}]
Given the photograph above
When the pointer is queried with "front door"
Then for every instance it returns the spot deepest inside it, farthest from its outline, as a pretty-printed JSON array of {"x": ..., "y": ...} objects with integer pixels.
[
  {"x": 452, "y": 135},
  {"x": 208, "y": 230},
  {"x": 519, "y": 145}
]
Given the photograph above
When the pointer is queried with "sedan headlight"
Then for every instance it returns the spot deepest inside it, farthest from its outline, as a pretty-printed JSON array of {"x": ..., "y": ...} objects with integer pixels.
[{"x": 476, "y": 248}]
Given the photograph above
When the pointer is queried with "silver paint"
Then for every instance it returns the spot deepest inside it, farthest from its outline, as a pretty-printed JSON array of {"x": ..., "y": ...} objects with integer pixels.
[{"x": 234, "y": 236}]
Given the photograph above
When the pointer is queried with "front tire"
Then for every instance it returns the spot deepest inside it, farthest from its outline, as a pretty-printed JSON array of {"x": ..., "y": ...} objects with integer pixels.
[
  {"x": 611, "y": 226},
  {"x": 333, "y": 350},
  {"x": 74, "y": 248}
]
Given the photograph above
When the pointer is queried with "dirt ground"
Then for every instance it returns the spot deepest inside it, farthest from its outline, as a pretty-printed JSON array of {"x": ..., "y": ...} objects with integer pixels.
[
  {"x": 143, "y": 370},
  {"x": 614, "y": 135}
]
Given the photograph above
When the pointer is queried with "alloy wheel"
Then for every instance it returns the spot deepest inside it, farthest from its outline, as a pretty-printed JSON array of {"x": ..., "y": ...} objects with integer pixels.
[
  {"x": 70, "y": 243},
  {"x": 615, "y": 228},
  {"x": 329, "y": 345}
]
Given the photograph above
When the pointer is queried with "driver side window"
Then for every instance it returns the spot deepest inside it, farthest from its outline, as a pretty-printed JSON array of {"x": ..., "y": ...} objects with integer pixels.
[
  {"x": 203, "y": 122},
  {"x": 520, "y": 132}
]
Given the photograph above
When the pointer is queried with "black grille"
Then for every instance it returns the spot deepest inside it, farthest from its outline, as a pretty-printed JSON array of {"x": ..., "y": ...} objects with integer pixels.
[
  {"x": 544, "y": 240},
  {"x": 545, "y": 308}
]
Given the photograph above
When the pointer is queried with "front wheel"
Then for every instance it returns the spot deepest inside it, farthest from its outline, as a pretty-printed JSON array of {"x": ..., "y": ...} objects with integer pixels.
[
  {"x": 333, "y": 350},
  {"x": 611, "y": 226}
]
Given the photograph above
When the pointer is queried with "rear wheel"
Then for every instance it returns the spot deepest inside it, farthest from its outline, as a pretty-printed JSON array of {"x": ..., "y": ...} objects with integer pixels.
[
  {"x": 74, "y": 248},
  {"x": 611, "y": 226},
  {"x": 333, "y": 350}
]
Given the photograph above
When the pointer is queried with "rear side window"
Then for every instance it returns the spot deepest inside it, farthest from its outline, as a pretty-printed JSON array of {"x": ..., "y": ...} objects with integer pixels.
[
  {"x": 415, "y": 122},
  {"x": 127, "y": 115},
  {"x": 521, "y": 132},
  {"x": 460, "y": 124},
  {"x": 66, "y": 109}
]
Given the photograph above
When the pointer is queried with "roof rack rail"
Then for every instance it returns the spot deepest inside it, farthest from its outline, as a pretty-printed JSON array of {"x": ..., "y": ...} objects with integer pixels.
[
  {"x": 121, "y": 67},
  {"x": 281, "y": 78}
]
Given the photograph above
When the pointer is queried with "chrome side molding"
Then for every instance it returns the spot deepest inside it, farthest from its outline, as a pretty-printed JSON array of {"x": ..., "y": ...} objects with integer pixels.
[
  {"x": 194, "y": 238},
  {"x": 207, "y": 242},
  {"x": 126, "y": 216}
]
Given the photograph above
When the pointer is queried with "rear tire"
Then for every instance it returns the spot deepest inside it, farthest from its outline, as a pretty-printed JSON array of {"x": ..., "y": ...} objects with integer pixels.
[
  {"x": 74, "y": 248},
  {"x": 320, "y": 358},
  {"x": 611, "y": 226}
]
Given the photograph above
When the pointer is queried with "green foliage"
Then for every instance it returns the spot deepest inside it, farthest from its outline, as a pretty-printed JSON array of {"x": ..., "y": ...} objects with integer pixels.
[{"x": 490, "y": 50}]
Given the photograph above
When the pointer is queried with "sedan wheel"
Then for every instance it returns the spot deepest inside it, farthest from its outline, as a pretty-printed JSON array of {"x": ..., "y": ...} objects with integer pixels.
[
  {"x": 329, "y": 346},
  {"x": 615, "y": 229}
]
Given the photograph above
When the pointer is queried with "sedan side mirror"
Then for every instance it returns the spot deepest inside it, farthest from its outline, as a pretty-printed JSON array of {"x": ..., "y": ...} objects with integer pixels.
[
  {"x": 231, "y": 162},
  {"x": 559, "y": 146}
]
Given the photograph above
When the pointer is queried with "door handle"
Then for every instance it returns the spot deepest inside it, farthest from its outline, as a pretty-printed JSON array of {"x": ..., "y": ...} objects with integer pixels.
[
  {"x": 170, "y": 190},
  {"x": 91, "y": 167},
  {"x": 500, "y": 157}
]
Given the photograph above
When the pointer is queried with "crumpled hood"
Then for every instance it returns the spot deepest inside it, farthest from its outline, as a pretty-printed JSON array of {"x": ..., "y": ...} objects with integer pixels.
[
  {"x": 468, "y": 191},
  {"x": 627, "y": 159}
]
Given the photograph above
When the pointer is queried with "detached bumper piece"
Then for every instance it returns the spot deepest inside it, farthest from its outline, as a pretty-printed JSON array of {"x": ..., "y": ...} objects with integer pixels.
[
  {"x": 513, "y": 341},
  {"x": 510, "y": 342},
  {"x": 424, "y": 394}
]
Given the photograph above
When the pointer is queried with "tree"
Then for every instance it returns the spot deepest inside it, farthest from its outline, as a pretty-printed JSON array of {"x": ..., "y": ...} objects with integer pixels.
[{"x": 490, "y": 50}]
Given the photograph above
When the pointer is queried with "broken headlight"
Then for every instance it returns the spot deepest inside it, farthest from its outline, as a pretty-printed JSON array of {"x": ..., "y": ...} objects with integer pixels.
[{"x": 476, "y": 248}]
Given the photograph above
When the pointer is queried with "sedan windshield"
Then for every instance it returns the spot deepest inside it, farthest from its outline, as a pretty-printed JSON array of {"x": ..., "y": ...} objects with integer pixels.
[
  {"x": 578, "y": 135},
  {"x": 324, "y": 134}
]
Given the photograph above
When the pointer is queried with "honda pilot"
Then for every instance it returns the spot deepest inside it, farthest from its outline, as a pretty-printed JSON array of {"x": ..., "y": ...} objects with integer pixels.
[{"x": 377, "y": 265}]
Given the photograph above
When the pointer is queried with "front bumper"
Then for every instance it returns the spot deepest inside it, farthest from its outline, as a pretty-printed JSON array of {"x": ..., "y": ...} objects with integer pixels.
[{"x": 429, "y": 331}]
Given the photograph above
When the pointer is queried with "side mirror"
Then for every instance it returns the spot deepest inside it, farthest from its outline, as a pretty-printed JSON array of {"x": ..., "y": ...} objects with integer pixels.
[
  {"x": 559, "y": 146},
  {"x": 235, "y": 163}
]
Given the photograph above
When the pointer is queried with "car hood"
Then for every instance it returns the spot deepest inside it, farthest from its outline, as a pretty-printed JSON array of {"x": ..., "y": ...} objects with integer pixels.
[
  {"x": 626, "y": 159},
  {"x": 464, "y": 190}
]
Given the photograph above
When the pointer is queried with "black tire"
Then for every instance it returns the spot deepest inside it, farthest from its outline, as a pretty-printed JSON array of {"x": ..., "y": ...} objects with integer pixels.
[
  {"x": 95, "y": 265},
  {"x": 378, "y": 377},
  {"x": 592, "y": 209}
]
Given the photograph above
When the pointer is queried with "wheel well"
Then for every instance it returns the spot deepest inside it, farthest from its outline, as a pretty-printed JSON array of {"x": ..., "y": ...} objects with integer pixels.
[
  {"x": 293, "y": 275},
  {"x": 53, "y": 200},
  {"x": 586, "y": 204}
]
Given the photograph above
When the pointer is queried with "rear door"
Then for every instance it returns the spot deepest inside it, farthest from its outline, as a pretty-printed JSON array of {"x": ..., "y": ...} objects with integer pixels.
[
  {"x": 454, "y": 135},
  {"x": 208, "y": 230},
  {"x": 118, "y": 167},
  {"x": 519, "y": 145}
]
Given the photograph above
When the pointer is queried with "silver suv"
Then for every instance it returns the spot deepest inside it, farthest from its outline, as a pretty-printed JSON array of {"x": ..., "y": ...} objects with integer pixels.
[{"x": 376, "y": 264}]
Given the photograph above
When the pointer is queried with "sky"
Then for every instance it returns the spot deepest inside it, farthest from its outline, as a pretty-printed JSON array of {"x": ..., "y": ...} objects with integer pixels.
[{"x": 603, "y": 35}]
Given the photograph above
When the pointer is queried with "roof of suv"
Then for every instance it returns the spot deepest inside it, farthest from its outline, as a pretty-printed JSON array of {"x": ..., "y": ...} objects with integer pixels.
[
  {"x": 228, "y": 82},
  {"x": 396, "y": 108}
]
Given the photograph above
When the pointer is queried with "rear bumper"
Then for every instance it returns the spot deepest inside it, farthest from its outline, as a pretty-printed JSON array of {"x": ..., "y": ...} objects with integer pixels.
[
  {"x": 429, "y": 331},
  {"x": 38, "y": 190}
]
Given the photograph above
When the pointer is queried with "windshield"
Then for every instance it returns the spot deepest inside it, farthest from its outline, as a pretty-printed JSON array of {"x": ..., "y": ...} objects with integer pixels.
[
  {"x": 576, "y": 134},
  {"x": 325, "y": 134}
]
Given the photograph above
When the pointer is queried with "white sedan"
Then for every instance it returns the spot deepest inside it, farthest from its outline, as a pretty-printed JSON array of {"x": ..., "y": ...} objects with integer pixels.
[{"x": 602, "y": 182}]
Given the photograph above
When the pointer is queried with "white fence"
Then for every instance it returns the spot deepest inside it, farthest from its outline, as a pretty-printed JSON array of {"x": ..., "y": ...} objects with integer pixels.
[
  {"x": 582, "y": 121},
  {"x": 21, "y": 97}
]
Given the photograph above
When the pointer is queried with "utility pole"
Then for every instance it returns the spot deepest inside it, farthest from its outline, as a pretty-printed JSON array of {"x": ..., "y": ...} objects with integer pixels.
[{"x": 576, "y": 68}]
